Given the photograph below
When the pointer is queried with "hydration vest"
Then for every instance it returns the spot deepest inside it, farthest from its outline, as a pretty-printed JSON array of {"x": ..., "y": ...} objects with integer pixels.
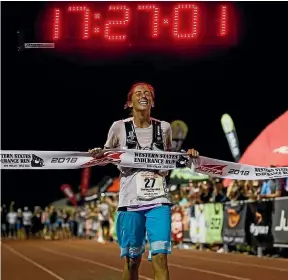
[{"x": 132, "y": 141}]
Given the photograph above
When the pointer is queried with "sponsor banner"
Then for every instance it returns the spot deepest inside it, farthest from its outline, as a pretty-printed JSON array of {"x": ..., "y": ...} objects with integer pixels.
[
  {"x": 179, "y": 134},
  {"x": 231, "y": 136},
  {"x": 85, "y": 179},
  {"x": 234, "y": 224},
  {"x": 67, "y": 190},
  {"x": 259, "y": 221},
  {"x": 213, "y": 213},
  {"x": 186, "y": 224},
  {"x": 197, "y": 224},
  {"x": 142, "y": 159},
  {"x": 263, "y": 223},
  {"x": 280, "y": 221},
  {"x": 177, "y": 224}
]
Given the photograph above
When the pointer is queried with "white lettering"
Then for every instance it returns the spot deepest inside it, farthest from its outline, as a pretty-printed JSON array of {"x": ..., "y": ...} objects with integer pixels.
[
  {"x": 283, "y": 223},
  {"x": 256, "y": 230}
]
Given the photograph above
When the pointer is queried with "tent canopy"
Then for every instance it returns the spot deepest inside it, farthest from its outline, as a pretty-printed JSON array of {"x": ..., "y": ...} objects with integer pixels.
[{"x": 270, "y": 148}]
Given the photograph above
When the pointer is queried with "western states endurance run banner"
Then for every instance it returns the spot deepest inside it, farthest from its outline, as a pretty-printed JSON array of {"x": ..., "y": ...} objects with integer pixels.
[{"x": 143, "y": 159}]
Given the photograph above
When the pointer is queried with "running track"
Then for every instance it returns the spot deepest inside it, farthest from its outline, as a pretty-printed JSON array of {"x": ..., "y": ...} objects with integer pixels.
[{"x": 88, "y": 260}]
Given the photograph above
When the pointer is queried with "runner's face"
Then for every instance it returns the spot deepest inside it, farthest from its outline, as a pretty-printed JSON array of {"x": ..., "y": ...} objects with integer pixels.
[{"x": 142, "y": 98}]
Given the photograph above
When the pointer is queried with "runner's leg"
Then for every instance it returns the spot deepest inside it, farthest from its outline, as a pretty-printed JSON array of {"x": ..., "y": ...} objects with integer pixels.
[
  {"x": 158, "y": 225},
  {"x": 130, "y": 227}
]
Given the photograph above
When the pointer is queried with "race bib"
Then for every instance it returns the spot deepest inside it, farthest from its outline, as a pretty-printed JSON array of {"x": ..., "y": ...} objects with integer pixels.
[{"x": 149, "y": 185}]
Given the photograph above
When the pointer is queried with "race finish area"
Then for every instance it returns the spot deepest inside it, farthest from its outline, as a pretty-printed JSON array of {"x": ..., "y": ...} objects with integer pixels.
[
  {"x": 115, "y": 108},
  {"x": 81, "y": 259}
]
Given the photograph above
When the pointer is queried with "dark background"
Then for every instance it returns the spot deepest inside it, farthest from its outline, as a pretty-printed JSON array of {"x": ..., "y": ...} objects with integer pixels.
[{"x": 57, "y": 102}]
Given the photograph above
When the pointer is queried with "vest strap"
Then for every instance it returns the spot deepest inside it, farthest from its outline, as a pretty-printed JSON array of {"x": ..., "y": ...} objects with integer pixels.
[{"x": 131, "y": 138}]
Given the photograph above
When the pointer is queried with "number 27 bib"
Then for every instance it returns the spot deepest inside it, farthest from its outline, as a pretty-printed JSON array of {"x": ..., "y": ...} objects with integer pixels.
[{"x": 149, "y": 185}]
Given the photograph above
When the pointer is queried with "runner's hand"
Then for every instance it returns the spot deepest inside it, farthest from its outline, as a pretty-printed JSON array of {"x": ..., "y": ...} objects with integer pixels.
[
  {"x": 96, "y": 152},
  {"x": 193, "y": 153}
]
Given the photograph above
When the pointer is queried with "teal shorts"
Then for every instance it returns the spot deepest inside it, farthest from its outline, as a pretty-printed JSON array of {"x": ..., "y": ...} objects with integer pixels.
[{"x": 131, "y": 228}]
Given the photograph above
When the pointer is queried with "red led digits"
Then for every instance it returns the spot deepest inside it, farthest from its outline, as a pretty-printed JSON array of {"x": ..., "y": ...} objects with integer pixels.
[
  {"x": 86, "y": 11},
  {"x": 56, "y": 24},
  {"x": 155, "y": 17},
  {"x": 223, "y": 28},
  {"x": 110, "y": 23},
  {"x": 97, "y": 16},
  {"x": 186, "y": 17},
  {"x": 194, "y": 25}
]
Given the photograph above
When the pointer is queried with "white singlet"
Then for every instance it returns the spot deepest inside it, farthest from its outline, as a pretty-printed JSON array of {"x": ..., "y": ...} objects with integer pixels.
[{"x": 133, "y": 181}]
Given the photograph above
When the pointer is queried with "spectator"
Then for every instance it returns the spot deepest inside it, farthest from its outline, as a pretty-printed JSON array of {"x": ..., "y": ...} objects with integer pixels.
[
  {"x": 59, "y": 224},
  {"x": 37, "y": 221},
  {"x": 73, "y": 224},
  {"x": 218, "y": 194},
  {"x": 236, "y": 191},
  {"x": 105, "y": 212},
  {"x": 65, "y": 225},
  {"x": 96, "y": 226},
  {"x": 27, "y": 221},
  {"x": 12, "y": 220},
  {"x": 46, "y": 223},
  {"x": 88, "y": 222},
  {"x": 80, "y": 218},
  {"x": 252, "y": 189},
  {"x": 205, "y": 192},
  {"x": 4, "y": 222},
  {"x": 53, "y": 222},
  {"x": 183, "y": 201},
  {"x": 271, "y": 189},
  {"x": 19, "y": 224}
]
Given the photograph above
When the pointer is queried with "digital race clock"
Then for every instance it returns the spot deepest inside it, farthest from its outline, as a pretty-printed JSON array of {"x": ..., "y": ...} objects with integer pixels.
[{"x": 165, "y": 24}]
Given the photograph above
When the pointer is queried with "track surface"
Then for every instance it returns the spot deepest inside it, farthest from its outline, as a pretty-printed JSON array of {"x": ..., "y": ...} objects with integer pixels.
[{"x": 87, "y": 260}]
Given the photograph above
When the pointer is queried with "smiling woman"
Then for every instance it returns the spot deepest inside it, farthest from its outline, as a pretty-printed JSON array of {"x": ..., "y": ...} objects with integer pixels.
[
  {"x": 144, "y": 203},
  {"x": 144, "y": 95},
  {"x": 136, "y": 88},
  {"x": 141, "y": 100}
]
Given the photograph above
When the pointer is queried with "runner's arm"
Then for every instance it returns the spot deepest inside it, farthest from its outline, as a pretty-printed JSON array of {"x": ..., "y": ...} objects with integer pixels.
[
  {"x": 113, "y": 136},
  {"x": 112, "y": 141}
]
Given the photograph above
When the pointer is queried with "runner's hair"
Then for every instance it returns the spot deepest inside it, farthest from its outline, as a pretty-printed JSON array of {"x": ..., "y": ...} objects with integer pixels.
[{"x": 129, "y": 96}]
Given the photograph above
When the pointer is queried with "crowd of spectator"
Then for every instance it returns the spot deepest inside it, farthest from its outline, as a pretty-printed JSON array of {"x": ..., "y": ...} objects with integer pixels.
[
  {"x": 96, "y": 220},
  {"x": 213, "y": 191},
  {"x": 185, "y": 198}
]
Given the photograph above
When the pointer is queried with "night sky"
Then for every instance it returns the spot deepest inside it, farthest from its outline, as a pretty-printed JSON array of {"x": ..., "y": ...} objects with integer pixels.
[{"x": 68, "y": 102}]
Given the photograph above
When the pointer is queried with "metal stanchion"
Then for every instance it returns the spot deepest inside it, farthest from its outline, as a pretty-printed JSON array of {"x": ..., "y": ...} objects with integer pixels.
[
  {"x": 259, "y": 252},
  {"x": 201, "y": 247}
]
